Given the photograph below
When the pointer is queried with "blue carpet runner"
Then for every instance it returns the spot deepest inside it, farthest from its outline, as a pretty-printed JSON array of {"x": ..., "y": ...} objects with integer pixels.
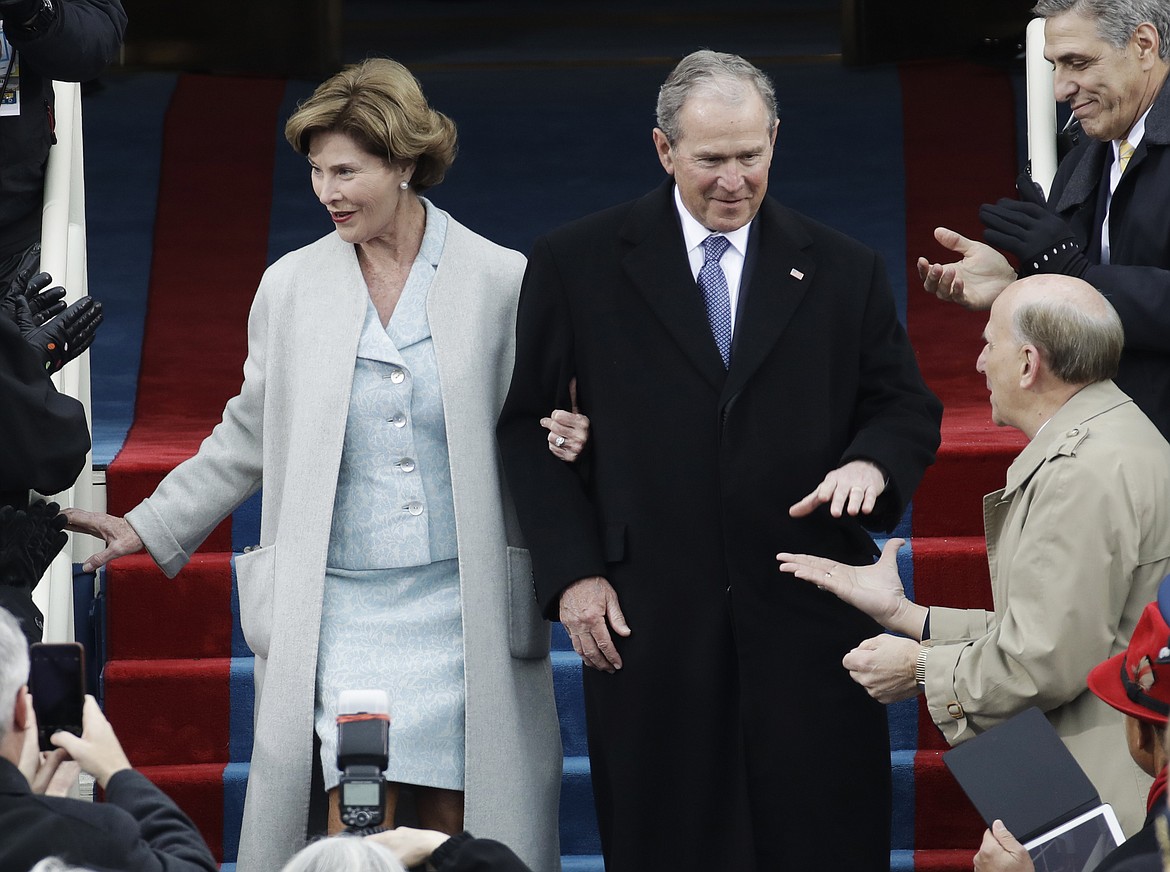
[{"x": 854, "y": 146}]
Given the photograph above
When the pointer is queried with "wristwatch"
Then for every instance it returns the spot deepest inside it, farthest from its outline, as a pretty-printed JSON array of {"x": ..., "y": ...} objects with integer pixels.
[{"x": 920, "y": 667}]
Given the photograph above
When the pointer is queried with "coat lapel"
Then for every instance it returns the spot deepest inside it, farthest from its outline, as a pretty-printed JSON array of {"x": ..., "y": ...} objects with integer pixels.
[
  {"x": 1083, "y": 183},
  {"x": 780, "y": 272},
  {"x": 656, "y": 262}
]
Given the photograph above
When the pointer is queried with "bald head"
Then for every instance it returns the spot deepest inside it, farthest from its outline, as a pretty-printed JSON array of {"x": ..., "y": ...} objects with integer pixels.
[{"x": 1076, "y": 330}]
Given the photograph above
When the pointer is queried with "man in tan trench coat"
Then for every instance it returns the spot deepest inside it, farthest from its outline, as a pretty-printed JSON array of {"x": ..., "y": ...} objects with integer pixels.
[{"x": 1077, "y": 543}]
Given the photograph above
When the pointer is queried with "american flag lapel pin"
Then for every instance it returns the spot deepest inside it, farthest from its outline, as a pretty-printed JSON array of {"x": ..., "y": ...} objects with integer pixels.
[{"x": 796, "y": 274}]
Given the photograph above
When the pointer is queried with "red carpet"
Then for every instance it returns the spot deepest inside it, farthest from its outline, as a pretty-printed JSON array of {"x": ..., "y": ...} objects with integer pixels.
[
  {"x": 166, "y": 684},
  {"x": 953, "y": 163},
  {"x": 210, "y": 248}
]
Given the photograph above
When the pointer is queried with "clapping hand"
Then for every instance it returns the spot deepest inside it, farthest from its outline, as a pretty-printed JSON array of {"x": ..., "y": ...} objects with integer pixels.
[{"x": 66, "y": 336}]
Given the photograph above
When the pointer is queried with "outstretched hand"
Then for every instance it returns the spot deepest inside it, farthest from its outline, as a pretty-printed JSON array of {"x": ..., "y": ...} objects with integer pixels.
[
  {"x": 975, "y": 280},
  {"x": 120, "y": 538},
  {"x": 851, "y": 489},
  {"x": 875, "y": 589}
]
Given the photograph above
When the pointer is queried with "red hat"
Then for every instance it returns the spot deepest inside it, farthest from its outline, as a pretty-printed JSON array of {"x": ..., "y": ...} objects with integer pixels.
[{"x": 1137, "y": 681}]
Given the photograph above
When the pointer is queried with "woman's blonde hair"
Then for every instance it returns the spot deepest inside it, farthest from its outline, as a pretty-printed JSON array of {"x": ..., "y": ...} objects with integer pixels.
[{"x": 380, "y": 105}]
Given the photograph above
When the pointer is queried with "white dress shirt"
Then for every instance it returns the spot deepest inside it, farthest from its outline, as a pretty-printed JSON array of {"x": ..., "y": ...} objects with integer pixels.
[
  {"x": 1134, "y": 138},
  {"x": 732, "y": 261}
]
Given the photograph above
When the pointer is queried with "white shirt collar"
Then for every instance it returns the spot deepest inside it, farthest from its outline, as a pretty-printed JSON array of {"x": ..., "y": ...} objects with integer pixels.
[
  {"x": 1134, "y": 137},
  {"x": 694, "y": 233}
]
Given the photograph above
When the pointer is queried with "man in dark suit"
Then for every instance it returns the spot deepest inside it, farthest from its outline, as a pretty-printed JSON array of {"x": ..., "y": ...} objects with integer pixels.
[
  {"x": 137, "y": 828},
  {"x": 1106, "y": 219},
  {"x": 748, "y": 385}
]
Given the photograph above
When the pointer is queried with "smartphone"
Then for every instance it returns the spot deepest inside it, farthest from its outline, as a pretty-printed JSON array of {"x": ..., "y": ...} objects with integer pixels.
[{"x": 56, "y": 681}]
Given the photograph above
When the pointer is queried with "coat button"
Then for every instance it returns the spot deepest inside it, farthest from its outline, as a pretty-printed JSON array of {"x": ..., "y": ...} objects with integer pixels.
[
  {"x": 414, "y": 507},
  {"x": 1073, "y": 432},
  {"x": 405, "y": 464},
  {"x": 955, "y": 710},
  {"x": 397, "y": 376},
  {"x": 398, "y": 421}
]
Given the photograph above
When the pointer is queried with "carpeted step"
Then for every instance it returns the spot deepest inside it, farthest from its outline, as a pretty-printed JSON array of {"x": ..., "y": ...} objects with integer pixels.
[
  {"x": 190, "y": 616},
  {"x": 212, "y": 795},
  {"x": 972, "y": 461},
  {"x": 200, "y": 791},
  {"x": 945, "y": 817},
  {"x": 952, "y": 571},
  {"x": 194, "y": 711}
]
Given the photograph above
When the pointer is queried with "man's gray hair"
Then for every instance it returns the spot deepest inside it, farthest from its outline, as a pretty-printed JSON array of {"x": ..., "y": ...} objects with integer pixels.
[
  {"x": 713, "y": 72},
  {"x": 1081, "y": 347},
  {"x": 344, "y": 854},
  {"x": 1116, "y": 19},
  {"x": 13, "y": 667}
]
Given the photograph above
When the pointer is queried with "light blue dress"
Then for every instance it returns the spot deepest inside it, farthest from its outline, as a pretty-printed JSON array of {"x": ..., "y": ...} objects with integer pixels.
[{"x": 391, "y": 617}]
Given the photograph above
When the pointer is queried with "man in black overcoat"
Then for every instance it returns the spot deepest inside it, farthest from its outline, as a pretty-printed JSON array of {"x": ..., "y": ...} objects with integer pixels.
[{"x": 723, "y": 731}]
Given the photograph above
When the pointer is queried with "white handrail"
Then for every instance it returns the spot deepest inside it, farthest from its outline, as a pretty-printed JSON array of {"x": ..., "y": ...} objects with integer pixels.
[
  {"x": 1041, "y": 108},
  {"x": 63, "y": 256}
]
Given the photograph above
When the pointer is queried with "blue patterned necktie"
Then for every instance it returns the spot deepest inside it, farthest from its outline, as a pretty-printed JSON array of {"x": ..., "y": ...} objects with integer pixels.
[{"x": 715, "y": 293}]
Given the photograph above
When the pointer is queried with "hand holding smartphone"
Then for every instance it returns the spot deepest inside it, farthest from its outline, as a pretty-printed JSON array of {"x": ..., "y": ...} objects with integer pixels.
[{"x": 57, "y": 684}]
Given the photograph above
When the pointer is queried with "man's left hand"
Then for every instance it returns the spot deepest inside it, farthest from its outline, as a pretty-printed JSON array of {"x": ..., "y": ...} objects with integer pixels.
[
  {"x": 1002, "y": 852},
  {"x": 884, "y": 666},
  {"x": 852, "y": 489}
]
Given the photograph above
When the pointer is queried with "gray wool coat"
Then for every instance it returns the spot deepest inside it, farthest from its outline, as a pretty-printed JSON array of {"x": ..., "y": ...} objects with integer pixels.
[{"x": 284, "y": 431}]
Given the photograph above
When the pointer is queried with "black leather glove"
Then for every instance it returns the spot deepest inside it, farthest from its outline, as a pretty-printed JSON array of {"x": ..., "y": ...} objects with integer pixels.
[
  {"x": 36, "y": 304},
  {"x": 1043, "y": 241},
  {"x": 25, "y": 300},
  {"x": 29, "y": 540},
  {"x": 68, "y": 335}
]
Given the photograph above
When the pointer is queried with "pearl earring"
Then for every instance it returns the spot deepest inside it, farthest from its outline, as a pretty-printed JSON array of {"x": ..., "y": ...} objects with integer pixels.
[{"x": 404, "y": 184}]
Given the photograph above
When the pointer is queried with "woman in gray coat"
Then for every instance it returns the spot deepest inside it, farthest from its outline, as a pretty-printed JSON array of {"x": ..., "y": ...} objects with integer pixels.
[{"x": 389, "y": 557}]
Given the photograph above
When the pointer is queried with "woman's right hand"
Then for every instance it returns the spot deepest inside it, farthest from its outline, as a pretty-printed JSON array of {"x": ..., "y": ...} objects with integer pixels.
[
  {"x": 568, "y": 431},
  {"x": 120, "y": 538}
]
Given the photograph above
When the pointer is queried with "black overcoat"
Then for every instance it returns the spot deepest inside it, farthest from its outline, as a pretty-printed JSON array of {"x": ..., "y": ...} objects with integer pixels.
[{"x": 732, "y": 738}]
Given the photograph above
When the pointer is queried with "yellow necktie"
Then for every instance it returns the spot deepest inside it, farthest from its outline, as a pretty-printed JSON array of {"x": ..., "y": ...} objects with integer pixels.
[{"x": 1124, "y": 153}]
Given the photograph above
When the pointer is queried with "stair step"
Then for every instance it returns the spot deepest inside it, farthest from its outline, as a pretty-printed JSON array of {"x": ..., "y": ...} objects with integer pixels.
[
  {"x": 578, "y": 821},
  {"x": 162, "y": 709},
  {"x": 972, "y": 461},
  {"x": 200, "y": 791},
  {"x": 570, "y": 702},
  {"x": 951, "y": 571},
  {"x": 190, "y": 616}
]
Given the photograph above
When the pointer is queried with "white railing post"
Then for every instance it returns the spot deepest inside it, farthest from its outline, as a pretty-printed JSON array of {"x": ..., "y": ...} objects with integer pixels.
[
  {"x": 63, "y": 256},
  {"x": 1041, "y": 109}
]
